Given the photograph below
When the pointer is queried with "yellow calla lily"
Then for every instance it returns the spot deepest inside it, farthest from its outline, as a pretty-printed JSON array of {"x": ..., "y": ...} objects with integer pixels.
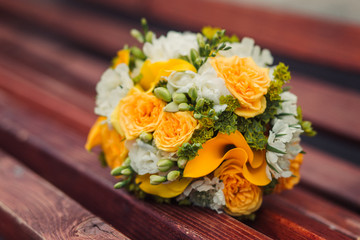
[
  {"x": 167, "y": 190},
  {"x": 224, "y": 147},
  {"x": 152, "y": 72},
  {"x": 110, "y": 141}
]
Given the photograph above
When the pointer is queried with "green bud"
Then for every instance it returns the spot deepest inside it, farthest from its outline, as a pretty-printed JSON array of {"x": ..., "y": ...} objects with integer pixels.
[
  {"x": 126, "y": 163},
  {"x": 165, "y": 165},
  {"x": 192, "y": 94},
  {"x": 163, "y": 94},
  {"x": 182, "y": 162},
  {"x": 197, "y": 116},
  {"x": 184, "y": 107},
  {"x": 194, "y": 55},
  {"x": 211, "y": 113},
  {"x": 121, "y": 184},
  {"x": 144, "y": 25},
  {"x": 137, "y": 53},
  {"x": 199, "y": 104},
  {"x": 179, "y": 98},
  {"x": 126, "y": 172},
  {"x": 173, "y": 175},
  {"x": 171, "y": 107},
  {"x": 146, "y": 137},
  {"x": 200, "y": 40},
  {"x": 149, "y": 37},
  {"x": 137, "y": 79},
  {"x": 306, "y": 124},
  {"x": 136, "y": 34},
  {"x": 117, "y": 171},
  {"x": 156, "y": 179}
]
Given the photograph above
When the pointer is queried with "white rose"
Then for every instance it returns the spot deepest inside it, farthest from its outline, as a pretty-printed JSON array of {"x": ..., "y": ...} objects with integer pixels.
[
  {"x": 247, "y": 48},
  {"x": 174, "y": 45},
  {"x": 113, "y": 86},
  {"x": 143, "y": 156}
]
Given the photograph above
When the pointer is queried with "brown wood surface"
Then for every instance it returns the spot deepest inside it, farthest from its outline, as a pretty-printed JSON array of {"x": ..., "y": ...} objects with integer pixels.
[
  {"x": 36, "y": 209},
  {"x": 322, "y": 104},
  {"x": 37, "y": 128}
]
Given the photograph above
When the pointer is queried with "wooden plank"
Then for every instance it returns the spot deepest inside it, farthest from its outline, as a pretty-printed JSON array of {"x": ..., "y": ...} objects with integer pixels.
[
  {"x": 86, "y": 28},
  {"x": 336, "y": 116},
  {"x": 57, "y": 154},
  {"x": 50, "y": 148},
  {"x": 308, "y": 39},
  {"x": 34, "y": 208},
  {"x": 314, "y": 173}
]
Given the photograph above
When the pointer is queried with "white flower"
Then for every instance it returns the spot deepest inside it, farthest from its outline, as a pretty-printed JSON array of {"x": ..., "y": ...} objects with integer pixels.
[
  {"x": 143, "y": 156},
  {"x": 213, "y": 190},
  {"x": 113, "y": 86},
  {"x": 206, "y": 82},
  {"x": 174, "y": 45},
  {"x": 289, "y": 103},
  {"x": 247, "y": 48}
]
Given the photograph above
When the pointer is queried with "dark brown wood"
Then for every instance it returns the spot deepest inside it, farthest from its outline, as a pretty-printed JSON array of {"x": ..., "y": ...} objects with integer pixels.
[
  {"x": 86, "y": 28},
  {"x": 54, "y": 61},
  {"x": 36, "y": 208},
  {"x": 308, "y": 39},
  {"x": 36, "y": 128}
]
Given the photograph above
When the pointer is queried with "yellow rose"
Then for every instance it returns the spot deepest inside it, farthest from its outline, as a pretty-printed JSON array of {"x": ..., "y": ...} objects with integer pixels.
[
  {"x": 246, "y": 81},
  {"x": 123, "y": 56},
  {"x": 174, "y": 130},
  {"x": 110, "y": 141},
  {"x": 290, "y": 182},
  {"x": 167, "y": 190},
  {"x": 225, "y": 147},
  {"x": 241, "y": 196},
  {"x": 153, "y": 72},
  {"x": 136, "y": 113}
]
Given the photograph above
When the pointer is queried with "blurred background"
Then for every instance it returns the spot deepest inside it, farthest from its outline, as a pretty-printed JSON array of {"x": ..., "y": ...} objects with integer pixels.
[{"x": 319, "y": 39}]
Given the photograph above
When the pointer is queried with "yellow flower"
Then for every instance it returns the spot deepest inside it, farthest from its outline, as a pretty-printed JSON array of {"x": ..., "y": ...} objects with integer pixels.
[
  {"x": 246, "y": 81},
  {"x": 174, "y": 130},
  {"x": 209, "y": 32},
  {"x": 136, "y": 113},
  {"x": 110, "y": 141},
  {"x": 168, "y": 190},
  {"x": 241, "y": 196},
  {"x": 153, "y": 72},
  {"x": 224, "y": 147},
  {"x": 123, "y": 56},
  {"x": 290, "y": 182}
]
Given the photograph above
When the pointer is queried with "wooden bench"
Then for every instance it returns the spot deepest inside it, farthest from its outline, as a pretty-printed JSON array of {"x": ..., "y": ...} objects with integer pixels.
[{"x": 52, "y": 55}]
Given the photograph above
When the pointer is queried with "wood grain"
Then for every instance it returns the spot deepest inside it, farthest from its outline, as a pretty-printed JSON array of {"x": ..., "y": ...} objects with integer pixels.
[
  {"x": 39, "y": 139},
  {"x": 41, "y": 211},
  {"x": 330, "y": 108}
]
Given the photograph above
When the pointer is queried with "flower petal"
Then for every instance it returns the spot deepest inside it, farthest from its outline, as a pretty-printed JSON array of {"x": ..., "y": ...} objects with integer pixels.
[
  {"x": 167, "y": 190},
  {"x": 256, "y": 175},
  {"x": 94, "y": 138},
  {"x": 212, "y": 154}
]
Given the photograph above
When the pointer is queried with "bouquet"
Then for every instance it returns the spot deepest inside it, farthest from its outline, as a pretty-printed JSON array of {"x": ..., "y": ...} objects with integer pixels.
[{"x": 201, "y": 119}]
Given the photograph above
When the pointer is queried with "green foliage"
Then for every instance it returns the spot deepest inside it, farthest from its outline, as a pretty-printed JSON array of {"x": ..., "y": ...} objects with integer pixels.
[
  {"x": 189, "y": 151},
  {"x": 231, "y": 102},
  {"x": 202, "y": 135},
  {"x": 268, "y": 189},
  {"x": 102, "y": 159},
  {"x": 161, "y": 83},
  {"x": 281, "y": 76},
  {"x": 205, "y": 113},
  {"x": 253, "y": 132},
  {"x": 305, "y": 125},
  {"x": 227, "y": 122}
]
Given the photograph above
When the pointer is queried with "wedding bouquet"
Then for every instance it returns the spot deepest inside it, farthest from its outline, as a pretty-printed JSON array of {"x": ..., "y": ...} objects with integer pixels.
[{"x": 200, "y": 119}]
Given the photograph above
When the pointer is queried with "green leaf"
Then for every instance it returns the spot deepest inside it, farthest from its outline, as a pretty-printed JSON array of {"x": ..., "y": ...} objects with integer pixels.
[{"x": 272, "y": 149}]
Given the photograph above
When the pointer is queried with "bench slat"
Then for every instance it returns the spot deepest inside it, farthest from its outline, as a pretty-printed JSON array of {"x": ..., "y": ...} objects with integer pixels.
[
  {"x": 41, "y": 129},
  {"x": 57, "y": 154},
  {"x": 41, "y": 211},
  {"x": 330, "y": 108}
]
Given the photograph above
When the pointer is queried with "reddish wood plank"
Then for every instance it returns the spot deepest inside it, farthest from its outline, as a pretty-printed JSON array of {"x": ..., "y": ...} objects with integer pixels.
[
  {"x": 336, "y": 116},
  {"x": 87, "y": 29},
  {"x": 57, "y": 154},
  {"x": 37, "y": 208},
  {"x": 315, "y": 175},
  {"x": 312, "y": 40},
  {"x": 50, "y": 148}
]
